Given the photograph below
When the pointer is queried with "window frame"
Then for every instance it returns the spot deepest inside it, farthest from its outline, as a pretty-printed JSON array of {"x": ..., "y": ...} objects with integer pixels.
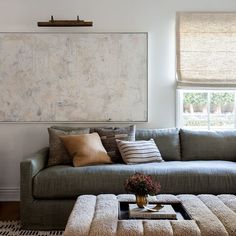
[{"x": 179, "y": 105}]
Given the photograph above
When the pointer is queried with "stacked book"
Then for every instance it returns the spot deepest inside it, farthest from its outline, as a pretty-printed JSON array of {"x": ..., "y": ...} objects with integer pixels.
[{"x": 149, "y": 212}]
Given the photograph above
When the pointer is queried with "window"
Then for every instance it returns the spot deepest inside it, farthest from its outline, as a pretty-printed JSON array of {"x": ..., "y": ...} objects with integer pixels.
[
  {"x": 206, "y": 70},
  {"x": 212, "y": 110}
]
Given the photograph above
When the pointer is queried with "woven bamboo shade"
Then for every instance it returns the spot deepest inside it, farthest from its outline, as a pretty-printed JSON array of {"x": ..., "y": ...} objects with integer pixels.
[{"x": 206, "y": 49}]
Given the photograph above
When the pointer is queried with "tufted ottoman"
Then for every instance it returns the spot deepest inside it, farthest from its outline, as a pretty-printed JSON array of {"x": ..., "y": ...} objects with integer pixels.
[{"x": 98, "y": 216}]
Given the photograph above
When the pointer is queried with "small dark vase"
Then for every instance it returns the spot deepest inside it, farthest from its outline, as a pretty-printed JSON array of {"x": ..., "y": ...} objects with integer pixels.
[{"x": 141, "y": 200}]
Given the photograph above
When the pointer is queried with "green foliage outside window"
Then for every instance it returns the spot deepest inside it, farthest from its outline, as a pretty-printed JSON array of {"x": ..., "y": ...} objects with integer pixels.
[
  {"x": 195, "y": 98},
  {"x": 201, "y": 98},
  {"x": 208, "y": 109},
  {"x": 222, "y": 98}
]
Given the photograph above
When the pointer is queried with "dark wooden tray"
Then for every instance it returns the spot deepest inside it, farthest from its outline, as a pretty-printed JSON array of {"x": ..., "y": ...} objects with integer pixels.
[{"x": 180, "y": 210}]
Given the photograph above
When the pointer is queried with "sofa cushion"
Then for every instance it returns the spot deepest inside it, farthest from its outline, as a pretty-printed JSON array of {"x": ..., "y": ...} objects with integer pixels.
[
  {"x": 57, "y": 153},
  {"x": 208, "y": 145},
  {"x": 136, "y": 152},
  {"x": 86, "y": 149},
  {"x": 167, "y": 141},
  {"x": 109, "y": 136},
  {"x": 176, "y": 177}
]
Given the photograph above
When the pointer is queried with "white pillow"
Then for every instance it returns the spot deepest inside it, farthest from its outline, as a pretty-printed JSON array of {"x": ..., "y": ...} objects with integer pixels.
[{"x": 136, "y": 152}]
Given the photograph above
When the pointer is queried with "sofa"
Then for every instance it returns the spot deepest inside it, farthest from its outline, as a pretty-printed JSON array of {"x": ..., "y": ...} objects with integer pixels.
[{"x": 194, "y": 162}]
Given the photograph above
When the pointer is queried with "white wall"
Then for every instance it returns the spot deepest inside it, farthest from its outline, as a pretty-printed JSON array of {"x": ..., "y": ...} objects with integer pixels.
[{"x": 157, "y": 17}]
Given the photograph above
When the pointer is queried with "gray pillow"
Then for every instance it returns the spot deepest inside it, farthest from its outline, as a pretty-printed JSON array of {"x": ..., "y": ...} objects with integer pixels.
[
  {"x": 167, "y": 141},
  {"x": 57, "y": 152},
  {"x": 109, "y": 136},
  {"x": 208, "y": 145}
]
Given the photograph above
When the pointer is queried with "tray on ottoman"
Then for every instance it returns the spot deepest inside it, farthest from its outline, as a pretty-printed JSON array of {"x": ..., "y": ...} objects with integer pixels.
[{"x": 181, "y": 212}]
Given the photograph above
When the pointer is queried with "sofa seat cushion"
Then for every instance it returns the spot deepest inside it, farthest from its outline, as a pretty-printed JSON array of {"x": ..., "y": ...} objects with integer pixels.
[{"x": 176, "y": 177}]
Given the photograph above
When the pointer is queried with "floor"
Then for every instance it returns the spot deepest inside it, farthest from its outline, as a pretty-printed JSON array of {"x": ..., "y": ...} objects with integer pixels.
[{"x": 9, "y": 211}]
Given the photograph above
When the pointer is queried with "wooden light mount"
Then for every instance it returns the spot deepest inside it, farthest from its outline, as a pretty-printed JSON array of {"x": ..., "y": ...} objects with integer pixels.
[{"x": 65, "y": 23}]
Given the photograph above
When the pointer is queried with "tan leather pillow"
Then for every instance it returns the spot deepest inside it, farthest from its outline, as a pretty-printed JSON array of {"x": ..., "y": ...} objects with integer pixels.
[
  {"x": 57, "y": 153},
  {"x": 86, "y": 149}
]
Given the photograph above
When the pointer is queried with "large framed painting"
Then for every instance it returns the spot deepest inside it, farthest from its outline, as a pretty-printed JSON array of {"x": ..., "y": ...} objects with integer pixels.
[{"x": 73, "y": 77}]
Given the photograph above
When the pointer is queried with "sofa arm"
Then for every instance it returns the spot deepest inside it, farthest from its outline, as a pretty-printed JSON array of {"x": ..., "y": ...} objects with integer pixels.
[{"x": 28, "y": 169}]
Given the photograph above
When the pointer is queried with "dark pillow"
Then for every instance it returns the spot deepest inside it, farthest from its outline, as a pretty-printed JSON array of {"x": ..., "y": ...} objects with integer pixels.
[
  {"x": 57, "y": 153},
  {"x": 109, "y": 136},
  {"x": 69, "y": 128}
]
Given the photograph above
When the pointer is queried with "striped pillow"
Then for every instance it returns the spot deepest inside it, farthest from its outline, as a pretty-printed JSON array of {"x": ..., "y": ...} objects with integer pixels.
[{"x": 135, "y": 152}]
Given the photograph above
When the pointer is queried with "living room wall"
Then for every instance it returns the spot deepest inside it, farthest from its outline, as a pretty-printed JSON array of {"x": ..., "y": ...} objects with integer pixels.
[{"x": 157, "y": 17}]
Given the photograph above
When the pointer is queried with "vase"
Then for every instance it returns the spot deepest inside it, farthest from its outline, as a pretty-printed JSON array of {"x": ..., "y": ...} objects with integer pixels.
[{"x": 141, "y": 200}]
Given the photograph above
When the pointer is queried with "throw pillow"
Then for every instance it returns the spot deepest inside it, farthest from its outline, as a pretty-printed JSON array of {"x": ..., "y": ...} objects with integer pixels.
[
  {"x": 57, "y": 152},
  {"x": 86, "y": 149},
  {"x": 139, "y": 151},
  {"x": 109, "y": 136}
]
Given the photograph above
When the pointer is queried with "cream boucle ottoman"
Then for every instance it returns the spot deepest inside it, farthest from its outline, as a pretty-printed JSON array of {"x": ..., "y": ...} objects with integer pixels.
[{"x": 98, "y": 216}]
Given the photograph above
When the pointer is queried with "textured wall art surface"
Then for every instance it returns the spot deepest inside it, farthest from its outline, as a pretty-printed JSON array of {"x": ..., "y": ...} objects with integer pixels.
[{"x": 73, "y": 77}]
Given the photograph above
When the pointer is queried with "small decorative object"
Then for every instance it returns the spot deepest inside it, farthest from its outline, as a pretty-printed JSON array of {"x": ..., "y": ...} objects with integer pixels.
[
  {"x": 141, "y": 200},
  {"x": 142, "y": 186},
  {"x": 65, "y": 23}
]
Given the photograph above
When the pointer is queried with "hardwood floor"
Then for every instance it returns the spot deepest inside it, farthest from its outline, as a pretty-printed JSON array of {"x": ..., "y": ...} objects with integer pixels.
[{"x": 9, "y": 210}]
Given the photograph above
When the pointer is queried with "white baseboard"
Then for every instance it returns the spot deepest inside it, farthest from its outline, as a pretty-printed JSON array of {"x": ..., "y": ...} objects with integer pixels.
[{"x": 9, "y": 194}]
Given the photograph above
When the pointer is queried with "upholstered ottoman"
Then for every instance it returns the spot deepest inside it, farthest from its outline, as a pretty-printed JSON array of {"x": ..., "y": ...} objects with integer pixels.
[{"x": 99, "y": 216}]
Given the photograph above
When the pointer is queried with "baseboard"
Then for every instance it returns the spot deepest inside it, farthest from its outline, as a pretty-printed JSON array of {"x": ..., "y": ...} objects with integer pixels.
[{"x": 9, "y": 194}]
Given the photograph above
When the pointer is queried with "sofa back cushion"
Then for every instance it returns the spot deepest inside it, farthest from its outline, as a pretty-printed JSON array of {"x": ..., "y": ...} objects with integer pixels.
[
  {"x": 208, "y": 145},
  {"x": 167, "y": 141}
]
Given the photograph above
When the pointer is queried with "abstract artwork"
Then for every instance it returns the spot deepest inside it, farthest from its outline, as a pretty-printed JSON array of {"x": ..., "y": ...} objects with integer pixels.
[{"x": 73, "y": 77}]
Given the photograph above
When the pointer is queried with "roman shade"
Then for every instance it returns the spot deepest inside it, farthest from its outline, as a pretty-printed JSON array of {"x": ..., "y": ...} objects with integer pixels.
[{"x": 206, "y": 49}]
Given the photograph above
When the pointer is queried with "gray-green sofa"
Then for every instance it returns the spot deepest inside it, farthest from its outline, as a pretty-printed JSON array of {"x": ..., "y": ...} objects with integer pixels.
[{"x": 195, "y": 162}]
